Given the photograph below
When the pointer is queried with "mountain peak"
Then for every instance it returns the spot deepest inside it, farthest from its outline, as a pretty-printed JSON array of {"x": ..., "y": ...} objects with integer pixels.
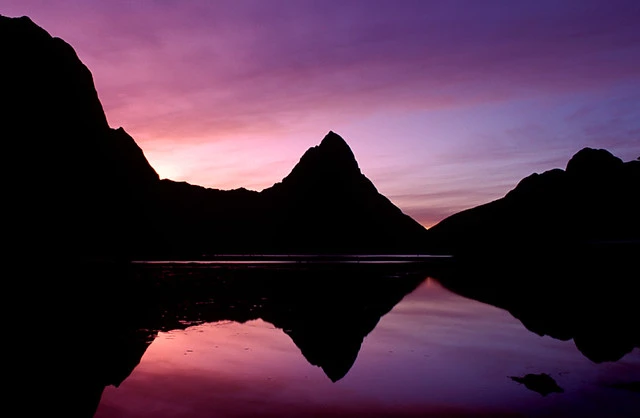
[
  {"x": 332, "y": 161},
  {"x": 332, "y": 139},
  {"x": 591, "y": 161},
  {"x": 334, "y": 150},
  {"x": 47, "y": 79},
  {"x": 21, "y": 29},
  {"x": 19, "y": 20}
]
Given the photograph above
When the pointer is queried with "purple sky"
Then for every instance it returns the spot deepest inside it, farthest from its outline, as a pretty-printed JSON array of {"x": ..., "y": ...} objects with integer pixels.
[{"x": 446, "y": 104}]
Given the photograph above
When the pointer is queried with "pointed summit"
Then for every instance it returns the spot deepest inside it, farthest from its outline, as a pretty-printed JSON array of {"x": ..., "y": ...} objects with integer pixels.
[
  {"x": 334, "y": 149},
  {"x": 332, "y": 139},
  {"x": 329, "y": 163},
  {"x": 338, "y": 206}
]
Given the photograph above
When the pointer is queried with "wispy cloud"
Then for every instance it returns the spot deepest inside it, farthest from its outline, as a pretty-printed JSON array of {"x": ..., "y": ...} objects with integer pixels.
[{"x": 239, "y": 65}]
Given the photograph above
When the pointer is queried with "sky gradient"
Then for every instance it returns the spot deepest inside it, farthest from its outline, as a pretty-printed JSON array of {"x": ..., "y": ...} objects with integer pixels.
[{"x": 445, "y": 104}]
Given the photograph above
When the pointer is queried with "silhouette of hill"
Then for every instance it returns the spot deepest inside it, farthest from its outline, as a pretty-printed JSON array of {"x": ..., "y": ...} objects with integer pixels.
[
  {"x": 328, "y": 199},
  {"x": 594, "y": 200},
  {"x": 71, "y": 180},
  {"x": 325, "y": 205},
  {"x": 73, "y": 176}
]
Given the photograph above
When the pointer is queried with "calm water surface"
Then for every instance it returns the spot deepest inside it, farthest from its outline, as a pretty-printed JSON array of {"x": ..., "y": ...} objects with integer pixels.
[{"x": 434, "y": 354}]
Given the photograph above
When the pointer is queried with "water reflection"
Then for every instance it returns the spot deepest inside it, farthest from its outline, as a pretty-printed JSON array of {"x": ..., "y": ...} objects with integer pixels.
[
  {"x": 325, "y": 309},
  {"x": 434, "y": 354},
  {"x": 588, "y": 297},
  {"x": 438, "y": 353}
]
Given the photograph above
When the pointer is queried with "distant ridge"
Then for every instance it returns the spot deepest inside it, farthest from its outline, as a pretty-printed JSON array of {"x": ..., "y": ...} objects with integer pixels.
[
  {"x": 325, "y": 205},
  {"x": 594, "y": 201},
  {"x": 80, "y": 188}
]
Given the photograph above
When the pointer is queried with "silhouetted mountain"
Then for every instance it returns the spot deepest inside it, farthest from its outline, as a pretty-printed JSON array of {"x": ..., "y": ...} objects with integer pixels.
[
  {"x": 593, "y": 201},
  {"x": 326, "y": 204},
  {"x": 73, "y": 176},
  {"x": 72, "y": 182}
]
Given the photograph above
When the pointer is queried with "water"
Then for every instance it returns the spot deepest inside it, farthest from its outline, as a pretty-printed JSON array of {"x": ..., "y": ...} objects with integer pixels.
[{"x": 277, "y": 341}]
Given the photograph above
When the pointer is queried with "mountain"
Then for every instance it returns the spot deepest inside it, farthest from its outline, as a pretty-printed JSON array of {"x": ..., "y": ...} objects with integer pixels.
[
  {"x": 71, "y": 179},
  {"x": 593, "y": 201},
  {"x": 325, "y": 205},
  {"x": 326, "y": 197},
  {"x": 80, "y": 188}
]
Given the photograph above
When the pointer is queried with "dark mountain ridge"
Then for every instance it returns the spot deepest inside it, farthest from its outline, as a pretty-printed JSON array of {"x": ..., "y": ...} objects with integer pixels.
[
  {"x": 329, "y": 198},
  {"x": 71, "y": 179},
  {"x": 80, "y": 187},
  {"x": 592, "y": 202}
]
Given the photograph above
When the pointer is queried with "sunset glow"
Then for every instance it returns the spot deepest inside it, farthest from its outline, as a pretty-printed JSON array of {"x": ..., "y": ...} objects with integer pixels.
[{"x": 446, "y": 105}]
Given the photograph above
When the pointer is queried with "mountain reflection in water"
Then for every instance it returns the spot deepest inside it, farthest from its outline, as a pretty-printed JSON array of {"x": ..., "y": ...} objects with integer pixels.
[
  {"x": 245, "y": 340},
  {"x": 589, "y": 297}
]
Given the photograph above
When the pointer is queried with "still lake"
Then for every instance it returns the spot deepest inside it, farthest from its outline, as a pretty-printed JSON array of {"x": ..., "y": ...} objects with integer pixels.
[{"x": 388, "y": 344}]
